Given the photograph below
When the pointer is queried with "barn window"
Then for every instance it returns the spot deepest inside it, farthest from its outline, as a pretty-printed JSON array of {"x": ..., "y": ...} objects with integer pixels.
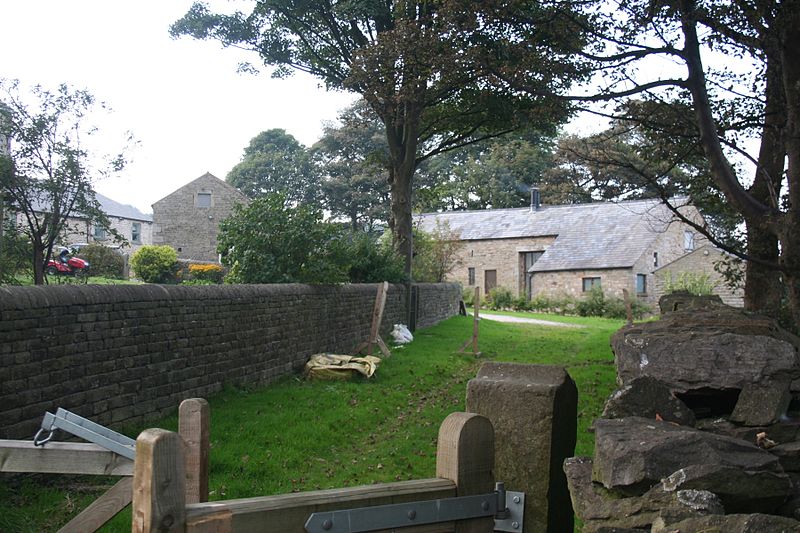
[
  {"x": 204, "y": 199},
  {"x": 641, "y": 283},
  {"x": 590, "y": 283}
]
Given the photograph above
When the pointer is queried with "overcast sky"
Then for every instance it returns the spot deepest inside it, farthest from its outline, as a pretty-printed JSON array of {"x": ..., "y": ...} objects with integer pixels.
[{"x": 182, "y": 99}]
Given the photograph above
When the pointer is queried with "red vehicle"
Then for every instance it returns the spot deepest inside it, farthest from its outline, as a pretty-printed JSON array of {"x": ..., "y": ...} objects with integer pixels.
[{"x": 65, "y": 265}]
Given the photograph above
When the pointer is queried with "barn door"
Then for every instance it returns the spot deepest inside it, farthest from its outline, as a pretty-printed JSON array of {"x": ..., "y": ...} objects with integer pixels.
[{"x": 489, "y": 280}]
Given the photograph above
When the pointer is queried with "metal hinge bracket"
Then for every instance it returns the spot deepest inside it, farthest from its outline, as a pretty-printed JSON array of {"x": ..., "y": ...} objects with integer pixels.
[
  {"x": 506, "y": 506},
  {"x": 87, "y": 430}
]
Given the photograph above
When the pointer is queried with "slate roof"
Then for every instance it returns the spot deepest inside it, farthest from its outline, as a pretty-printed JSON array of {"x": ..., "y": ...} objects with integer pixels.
[
  {"x": 116, "y": 209},
  {"x": 587, "y": 236},
  {"x": 110, "y": 208}
]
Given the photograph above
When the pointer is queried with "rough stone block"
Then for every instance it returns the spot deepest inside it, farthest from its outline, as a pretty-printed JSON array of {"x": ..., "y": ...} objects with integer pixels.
[
  {"x": 533, "y": 409},
  {"x": 762, "y": 404}
]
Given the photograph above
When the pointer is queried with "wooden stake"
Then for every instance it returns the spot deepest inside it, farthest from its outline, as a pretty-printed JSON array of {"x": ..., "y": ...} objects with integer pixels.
[
  {"x": 628, "y": 306},
  {"x": 377, "y": 318},
  {"x": 475, "y": 325},
  {"x": 465, "y": 455},
  {"x": 159, "y": 496},
  {"x": 194, "y": 426}
]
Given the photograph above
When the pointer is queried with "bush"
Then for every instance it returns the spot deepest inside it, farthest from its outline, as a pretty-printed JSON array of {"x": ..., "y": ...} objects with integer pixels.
[
  {"x": 697, "y": 284},
  {"x": 500, "y": 298},
  {"x": 155, "y": 264},
  {"x": 594, "y": 304},
  {"x": 206, "y": 272},
  {"x": 103, "y": 261},
  {"x": 372, "y": 261}
]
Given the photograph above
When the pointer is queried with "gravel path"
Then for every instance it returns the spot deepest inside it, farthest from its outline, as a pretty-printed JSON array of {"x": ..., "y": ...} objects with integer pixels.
[{"x": 521, "y": 320}]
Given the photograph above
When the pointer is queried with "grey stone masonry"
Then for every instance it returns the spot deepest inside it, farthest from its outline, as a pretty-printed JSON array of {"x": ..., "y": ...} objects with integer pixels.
[
  {"x": 189, "y": 218},
  {"x": 534, "y": 411},
  {"x": 125, "y": 353}
]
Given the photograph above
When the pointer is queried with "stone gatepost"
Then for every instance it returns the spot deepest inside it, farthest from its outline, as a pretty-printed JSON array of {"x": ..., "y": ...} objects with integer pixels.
[{"x": 534, "y": 410}]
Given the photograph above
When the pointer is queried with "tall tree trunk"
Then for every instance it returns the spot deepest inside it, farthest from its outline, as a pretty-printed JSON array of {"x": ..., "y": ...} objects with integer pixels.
[
  {"x": 38, "y": 265},
  {"x": 790, "y": 230},
  {"x": 763, "y": 289}
]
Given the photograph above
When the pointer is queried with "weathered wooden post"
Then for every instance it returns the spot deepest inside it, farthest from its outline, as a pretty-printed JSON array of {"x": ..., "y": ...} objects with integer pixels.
[
  {"x": 465, "y": 455},
  {"x": 533, "y": 409},
  {"x": 159, "y": 496},
  {"x": 194, "y": 426}
]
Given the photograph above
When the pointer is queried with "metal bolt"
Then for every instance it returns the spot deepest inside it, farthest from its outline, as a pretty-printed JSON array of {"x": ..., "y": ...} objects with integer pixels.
[
  {"x": 515, "y": 525},
  {"x": 516, "y": 499},
  {"x": 327, "y": 524},
  {"x": 485, "y": 506},
  {"x": 412, "y": 514}
]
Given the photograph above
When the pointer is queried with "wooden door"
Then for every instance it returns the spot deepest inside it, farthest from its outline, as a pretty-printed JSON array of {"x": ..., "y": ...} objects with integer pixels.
[{"x": 489, "y": 280}]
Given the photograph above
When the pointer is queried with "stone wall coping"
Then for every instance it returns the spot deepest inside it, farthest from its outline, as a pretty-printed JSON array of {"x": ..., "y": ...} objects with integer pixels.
[{"x": 30, "y": 297}]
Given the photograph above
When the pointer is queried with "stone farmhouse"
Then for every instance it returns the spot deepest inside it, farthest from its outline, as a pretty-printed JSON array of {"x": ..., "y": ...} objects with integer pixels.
[
  {"x": 566, "y": 250},
  {"x": 188, "y": 219},
  {"x": 135, "y": 226}
]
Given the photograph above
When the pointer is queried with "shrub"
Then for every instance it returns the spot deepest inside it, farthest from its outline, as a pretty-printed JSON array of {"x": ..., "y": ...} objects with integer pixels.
[
  {"x": 593, "y": 304},
  {"x": 698, "y": 284},
  {"x": 371, "y": 260},
  {"x": 500, "y": 298},
  {"x": 155, "y": 264},
  {"x": 197, "y": 282},
  {"x": 103, "y": 261},
  {"x": 206, "y": 272},
  {"x": 468, "y": 296}
]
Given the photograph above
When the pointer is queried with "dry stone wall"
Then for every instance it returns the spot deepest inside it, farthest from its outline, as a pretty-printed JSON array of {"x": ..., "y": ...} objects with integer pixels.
[{"x": 125, "y": 353}]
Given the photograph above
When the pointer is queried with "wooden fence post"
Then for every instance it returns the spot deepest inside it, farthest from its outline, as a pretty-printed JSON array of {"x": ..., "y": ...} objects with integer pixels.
[
  {"x": 159, "y": 496},
  {"x": 465, "y": 455},
  {"x": 194, "y": 426}
]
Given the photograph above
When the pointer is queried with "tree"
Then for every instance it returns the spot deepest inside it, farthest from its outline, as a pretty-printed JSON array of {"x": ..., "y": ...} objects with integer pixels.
[
  {"x": 275, "y": 162},
  {"x": 634, "y": 49},
  {"x": 438, "y": 253},
  {"x": 350, "y": 160},
  {"x": 270, "y": 241},
  {"x": 428, "y": 69},
  {"x": 51, "y": 170},
  {"x": 497, "y": 173}
]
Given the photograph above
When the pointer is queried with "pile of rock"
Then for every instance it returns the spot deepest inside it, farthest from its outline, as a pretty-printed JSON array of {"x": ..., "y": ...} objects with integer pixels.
[{"x": 702, "y": 434}]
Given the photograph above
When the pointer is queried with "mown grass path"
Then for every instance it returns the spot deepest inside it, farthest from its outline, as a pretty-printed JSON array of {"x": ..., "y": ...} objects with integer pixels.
[{"x": 296, "y": 435}]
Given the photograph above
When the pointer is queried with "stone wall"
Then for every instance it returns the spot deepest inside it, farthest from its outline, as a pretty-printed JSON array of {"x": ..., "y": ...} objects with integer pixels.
[
  {"x": 125, "y": 353},
  {"x": 500, "y": 255},
  {"x": 701, "y": 261}
]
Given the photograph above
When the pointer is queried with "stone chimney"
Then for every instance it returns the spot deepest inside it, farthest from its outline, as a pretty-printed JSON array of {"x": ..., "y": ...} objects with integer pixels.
[{"x": 536, "y": 200}]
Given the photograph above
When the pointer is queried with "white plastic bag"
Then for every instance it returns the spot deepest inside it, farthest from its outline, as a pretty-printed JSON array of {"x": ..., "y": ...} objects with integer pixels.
[{"x": 401, "y": 334}]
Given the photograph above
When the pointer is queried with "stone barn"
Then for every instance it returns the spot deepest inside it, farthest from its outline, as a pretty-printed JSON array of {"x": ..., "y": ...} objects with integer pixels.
[
  {"x": 188, "y": 219},
  {"x": 566, "y": 250}
]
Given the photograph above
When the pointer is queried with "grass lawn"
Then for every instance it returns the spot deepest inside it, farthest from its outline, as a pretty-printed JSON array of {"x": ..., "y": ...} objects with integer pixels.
[{"x": 296, "y": 435}]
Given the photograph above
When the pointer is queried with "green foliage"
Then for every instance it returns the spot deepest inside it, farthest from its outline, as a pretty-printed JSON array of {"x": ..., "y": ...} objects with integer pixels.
[
  {"x": 103, "y": 261},
  {"x": 496, "y": 173},
  {"x": 372, "y": 260},
  {"x": 436, "y": 254},
  {"x": 275, "y": 162},
  {"x": 155, "y": 264},
  {"x": 51, "y": 171},
  {"x": 446, "y": 97},
  {"x": 500, "y": 298},
  {"x": 468, "y": 296},
  {"x": 15, "y": 255},
  {"x": 350, "y": 160},
  {"x": 271, "y": 242},
  {"x": 695, "y": 283},
  {"x": 593, "y": 304}
]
